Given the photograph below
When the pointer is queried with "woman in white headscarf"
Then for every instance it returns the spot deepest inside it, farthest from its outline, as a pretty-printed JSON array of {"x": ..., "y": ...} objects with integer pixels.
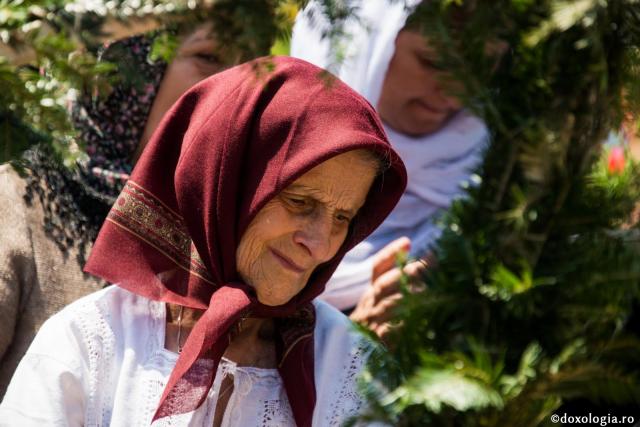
[{"x": 392, "y": 66}]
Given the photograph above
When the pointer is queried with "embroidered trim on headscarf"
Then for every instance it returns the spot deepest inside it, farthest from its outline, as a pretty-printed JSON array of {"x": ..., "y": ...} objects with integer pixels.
[{"x": 141, "y": 213}]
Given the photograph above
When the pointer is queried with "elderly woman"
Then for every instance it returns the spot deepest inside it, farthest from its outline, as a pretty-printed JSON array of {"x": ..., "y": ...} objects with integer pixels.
[{"x": 255, "y": 185}]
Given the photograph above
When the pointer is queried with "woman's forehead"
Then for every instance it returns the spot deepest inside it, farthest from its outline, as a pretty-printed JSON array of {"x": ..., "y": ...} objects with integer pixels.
[{"x": 343, "y": 179}]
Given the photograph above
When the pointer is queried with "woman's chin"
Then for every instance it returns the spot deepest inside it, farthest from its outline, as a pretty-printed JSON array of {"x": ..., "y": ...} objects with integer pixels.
[{"x": 274, "y": 300}]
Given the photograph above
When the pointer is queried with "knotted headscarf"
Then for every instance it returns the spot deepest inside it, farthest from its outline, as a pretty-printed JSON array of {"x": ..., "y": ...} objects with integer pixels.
[
  {"x": 227, "y": 147},
  {"x": 437, "y": 164}
]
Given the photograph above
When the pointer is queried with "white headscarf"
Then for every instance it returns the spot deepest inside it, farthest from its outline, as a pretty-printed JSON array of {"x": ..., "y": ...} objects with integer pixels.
[{"x": 437, "y": 163}]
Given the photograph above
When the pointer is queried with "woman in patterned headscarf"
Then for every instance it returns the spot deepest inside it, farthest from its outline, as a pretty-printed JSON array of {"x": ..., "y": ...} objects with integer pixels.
[
  {"x": 253, "y": 188},
  {"x": 49, "y": 218}
]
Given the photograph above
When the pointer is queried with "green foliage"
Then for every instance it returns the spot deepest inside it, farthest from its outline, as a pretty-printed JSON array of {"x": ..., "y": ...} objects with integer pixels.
[
  {"x": 538, "y": 271},
  {"x": 48, "y": 53},
  {"x": 21, "y": 136}
]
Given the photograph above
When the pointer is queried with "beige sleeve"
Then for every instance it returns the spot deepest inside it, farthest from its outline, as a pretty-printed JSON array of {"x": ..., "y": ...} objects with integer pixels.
[{"x": 17, "y": 264}]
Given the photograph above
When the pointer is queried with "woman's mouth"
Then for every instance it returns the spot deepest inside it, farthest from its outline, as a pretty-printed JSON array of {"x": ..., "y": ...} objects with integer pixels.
[
  {"x": 286, "y": 262},
  {"x": 429, "y": 108}
]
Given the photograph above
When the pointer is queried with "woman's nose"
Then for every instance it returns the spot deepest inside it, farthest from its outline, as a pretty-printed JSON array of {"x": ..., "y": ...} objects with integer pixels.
[
  {"x": 446, "y": 90},
  {"x": 453, "y": 103},
  {"x": 314, "y": 235}
]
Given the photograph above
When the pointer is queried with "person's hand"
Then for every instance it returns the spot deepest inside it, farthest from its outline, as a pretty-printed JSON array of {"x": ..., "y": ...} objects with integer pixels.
[{"x": 376, "y": 306}]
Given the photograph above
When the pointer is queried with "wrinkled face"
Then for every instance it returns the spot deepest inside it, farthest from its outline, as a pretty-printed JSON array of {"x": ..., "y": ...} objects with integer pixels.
[
  {"x": 303, "y": 226},
  {"x": 414, "y": 100},
  {"x": 195, "y": 60}
]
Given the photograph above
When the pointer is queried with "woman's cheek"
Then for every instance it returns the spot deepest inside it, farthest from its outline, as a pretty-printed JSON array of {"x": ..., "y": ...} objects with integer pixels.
[{"x": 248, "y": 258}]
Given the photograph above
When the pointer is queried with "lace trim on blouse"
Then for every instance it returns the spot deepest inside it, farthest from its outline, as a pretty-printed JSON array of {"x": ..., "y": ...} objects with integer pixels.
[{"x": 117, "y": 378}]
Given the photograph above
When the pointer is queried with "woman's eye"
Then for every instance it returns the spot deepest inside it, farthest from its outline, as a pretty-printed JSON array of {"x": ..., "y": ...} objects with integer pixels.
[
  {"x": 213, "y": 59},
  {"x": 428, "y": 63},
  {"x": 343, "y": 219},
  {"x": 297, "y": 201}
]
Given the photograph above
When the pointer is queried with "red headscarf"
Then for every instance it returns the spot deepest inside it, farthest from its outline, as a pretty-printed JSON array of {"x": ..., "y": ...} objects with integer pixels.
[{"x": 227, "y": 147}]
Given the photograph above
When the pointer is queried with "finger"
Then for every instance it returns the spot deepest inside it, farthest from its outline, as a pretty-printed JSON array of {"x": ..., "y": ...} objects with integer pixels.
[
  {"x": 385, "y": 329},
  {"x": 385, "y": 259},
  {"x": 381, "y": 331},
  {"x": 389, "y": 282},
  {"x": 415, "y": 269},
  {"x": 371, "y": 314},
  {"x": 385, "y": 310},
  {"x": 430, "y": 259},
  {"x": 363, "y": 309},
  {"x": 417, "y": 277}
]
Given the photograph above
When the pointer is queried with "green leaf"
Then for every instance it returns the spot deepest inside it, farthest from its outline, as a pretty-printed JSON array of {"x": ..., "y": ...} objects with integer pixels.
[
  {"x": 565, "y": 15},
  {"x": 437, "y": 389}
]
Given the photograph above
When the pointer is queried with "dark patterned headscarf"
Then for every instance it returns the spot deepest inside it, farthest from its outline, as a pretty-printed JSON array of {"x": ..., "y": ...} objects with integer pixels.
[
  {"x": 111, "y": 127},
  {"x": 76, "y": 202}
]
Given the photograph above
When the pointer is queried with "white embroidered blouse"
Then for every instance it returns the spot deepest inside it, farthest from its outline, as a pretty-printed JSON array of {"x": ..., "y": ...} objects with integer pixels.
[{"x": 101, "y": 361}]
